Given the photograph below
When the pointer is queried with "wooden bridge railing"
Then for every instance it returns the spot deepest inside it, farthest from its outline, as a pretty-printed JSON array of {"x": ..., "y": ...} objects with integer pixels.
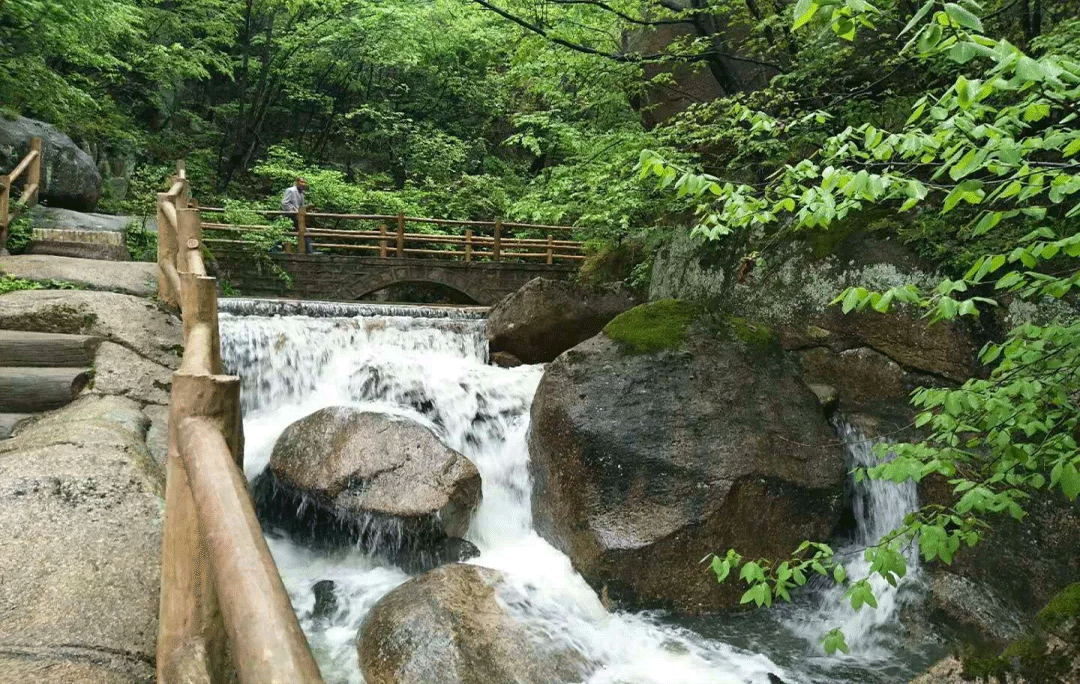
[
  {"x": 221, "y": 593},
  {"x": 31, "y": 166},
  {"x": 480, "y": 241}
]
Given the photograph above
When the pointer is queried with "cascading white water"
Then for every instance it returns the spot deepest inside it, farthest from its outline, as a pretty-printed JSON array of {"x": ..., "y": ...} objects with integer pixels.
[
  {"x": 879, "y": 507},
  {"x": 432, "y": 367}
]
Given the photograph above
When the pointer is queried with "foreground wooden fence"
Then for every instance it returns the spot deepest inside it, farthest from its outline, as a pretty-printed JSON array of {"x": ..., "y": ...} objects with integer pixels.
[
  {"x": 224, "y": 609},
  {"x": 31, "y": 166},
  {"x": 399, "y": 236}
]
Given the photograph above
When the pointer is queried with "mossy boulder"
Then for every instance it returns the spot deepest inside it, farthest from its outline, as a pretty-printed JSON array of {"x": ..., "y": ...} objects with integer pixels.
[{"x": 672, "y": 435}]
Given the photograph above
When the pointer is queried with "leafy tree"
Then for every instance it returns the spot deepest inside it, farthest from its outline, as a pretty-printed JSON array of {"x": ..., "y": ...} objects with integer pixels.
[{"x": 995, "y": 149}]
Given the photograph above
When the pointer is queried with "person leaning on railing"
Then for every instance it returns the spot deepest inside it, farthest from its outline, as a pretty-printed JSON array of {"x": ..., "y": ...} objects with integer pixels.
[{"x": 291, "y": 201}]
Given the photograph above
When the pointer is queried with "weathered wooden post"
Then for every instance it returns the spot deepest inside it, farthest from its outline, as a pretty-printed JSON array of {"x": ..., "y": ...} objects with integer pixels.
[
  {"x": 382, "y": 240},
  {"x": 497, "y": 248},
  {"x": 301, "y": 230},
  {"x": 5, "y": 206},
  {"x": 550, "y": 250},
  {"x": 168, "y": 276},
  {"x": 468, "y": 244},
  {"x": 33, "y": 178},
  {"x": 400, "y": 235}
]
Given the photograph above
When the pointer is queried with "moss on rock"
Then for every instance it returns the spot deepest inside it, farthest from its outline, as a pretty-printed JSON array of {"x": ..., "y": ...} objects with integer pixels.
[
  {"x": 653, "y": 327},
  {"x": 1061, "y": 608},
  {"x": 753, "y": 334}
]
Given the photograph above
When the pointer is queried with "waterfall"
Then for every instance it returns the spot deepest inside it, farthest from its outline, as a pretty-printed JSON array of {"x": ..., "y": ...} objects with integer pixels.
[
  {"x": 878, "y": 507},
  {"x": 432, "y": 368}
]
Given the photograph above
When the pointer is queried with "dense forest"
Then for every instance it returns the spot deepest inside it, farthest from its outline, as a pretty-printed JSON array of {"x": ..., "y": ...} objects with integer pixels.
[{"x": 528, "y": 110}]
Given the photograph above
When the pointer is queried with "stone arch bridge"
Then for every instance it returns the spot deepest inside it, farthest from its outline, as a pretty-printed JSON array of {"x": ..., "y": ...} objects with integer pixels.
[{"x": 334, "y": 277}]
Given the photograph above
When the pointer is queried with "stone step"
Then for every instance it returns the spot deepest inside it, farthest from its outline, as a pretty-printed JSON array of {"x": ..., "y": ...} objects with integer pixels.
[
  {"x": 31, "y": 390},
  {"x": 46, "y": 350},
  {"x": 83, "y": 244}
]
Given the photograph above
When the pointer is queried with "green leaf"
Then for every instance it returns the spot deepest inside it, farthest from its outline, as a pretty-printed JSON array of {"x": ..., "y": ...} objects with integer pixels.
[
  {"x": 1070, "y": 481},
  {"x": 963, "y": 17},
  {"x": 804, "y": 12},
  {"x": 919, "y": 16}
]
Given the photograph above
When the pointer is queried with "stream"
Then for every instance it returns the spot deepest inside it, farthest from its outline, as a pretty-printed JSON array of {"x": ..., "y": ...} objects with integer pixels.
[{"x": 429, "y": 363}]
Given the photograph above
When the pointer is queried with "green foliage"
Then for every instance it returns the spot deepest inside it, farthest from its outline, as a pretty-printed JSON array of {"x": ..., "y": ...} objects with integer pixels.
[
  {"x": 12, "y": 284},
  {"x": 995, "y": 148},
  {"x": 141, "y": 243},
  {"x": 653, "y": 327},
  {"x": 19, "y": 235}
]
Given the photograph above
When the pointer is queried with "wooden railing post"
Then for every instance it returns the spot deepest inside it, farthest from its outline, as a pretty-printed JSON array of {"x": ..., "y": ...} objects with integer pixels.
[
  {"x": 191, "y": 632},
  {"x": 550, "y": 249},
  {"x": 497, "y": 247},
  {"x": 33, "y": 177},
  {"x": 400, "y": 235},
  {"x": 382, "y": 240},
  {"x": 5, "y": 207},
  {"x": 301, "y": 230},
  {"x": 168, "y": 276},
  {"x": 468, "y": 244}
]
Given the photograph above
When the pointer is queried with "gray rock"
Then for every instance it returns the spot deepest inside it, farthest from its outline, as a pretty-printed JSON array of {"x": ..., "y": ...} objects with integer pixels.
[
  {"x": 504, "y": 360},
  {"x": 140, "y": 325},
  {"x": 128, "y": 277},
  {"x": 69, "y": 176},
  {"x": 80, "y": 519},
  {"x": 643, "y": 464},
  {"x": 121, "y": 372},
  {"x": 384, "y": 482},
  {"x": 790, "y": 290},
  {"x": 546, "y": 317},
  {"x": 448, "y": 627},
  {"x": 157, "y": 437},
  {"x": 975, "y": 613}
]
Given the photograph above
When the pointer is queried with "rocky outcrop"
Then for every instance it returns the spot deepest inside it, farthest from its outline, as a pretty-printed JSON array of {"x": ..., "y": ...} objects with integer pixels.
[
  {"x": 137, "y": 324},
  {"x": 342, "y": 476},
  {"x": 80, "y": 517},
  {"x": 872, "y": 360},
  {"x": 546, "y": 317},
  {"x": 70, "y": 179},
  {"x": 672, "y": 436},
  {"x": 447, "y": 627},
  {"x": 127, "y": 277}
]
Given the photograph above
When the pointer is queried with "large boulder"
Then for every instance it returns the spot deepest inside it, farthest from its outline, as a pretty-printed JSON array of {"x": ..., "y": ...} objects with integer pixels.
[
  {"x": 672, "y": 436},
  {"x": 448, "y": 627},
  {"x": 69, "y": 177},
  {"x": 872, "y": 360},
  {"x": 80, "y": 521},
  {"x": 138, "y": 324},
  {"x": 341, "y": 476},
  {"x": 546, "y": 317}
]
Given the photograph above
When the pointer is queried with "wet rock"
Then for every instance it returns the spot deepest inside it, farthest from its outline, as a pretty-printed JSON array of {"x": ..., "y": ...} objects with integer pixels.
[
  {"x": 69, "y": 176},
  {"x": 641, "y": 461},
  {"x": 326, "y": 603},
  {"x": 546, "y": 317},
  {"x": 448, "y": 627},
  {"x": 505, "y": 360},
  {"x": 341, "y": 477}
]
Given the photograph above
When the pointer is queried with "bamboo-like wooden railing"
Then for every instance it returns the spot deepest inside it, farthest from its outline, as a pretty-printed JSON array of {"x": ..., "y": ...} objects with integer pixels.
[
  {"x": 221, "y": 593},
  {"x": 31, "y": 166},
  {"x": 480, "y": 241}
]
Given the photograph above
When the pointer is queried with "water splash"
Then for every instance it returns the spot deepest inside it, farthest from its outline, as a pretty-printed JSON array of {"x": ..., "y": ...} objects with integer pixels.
[{"x": 433, "y": 370}]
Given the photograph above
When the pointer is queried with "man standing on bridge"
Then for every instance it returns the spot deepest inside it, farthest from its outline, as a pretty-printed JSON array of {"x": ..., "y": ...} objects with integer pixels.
[{"x": 291, "y": 201}]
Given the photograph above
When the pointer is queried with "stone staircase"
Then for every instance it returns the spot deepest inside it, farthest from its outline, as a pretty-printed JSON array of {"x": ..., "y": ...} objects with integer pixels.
[{"x": 41, "y": 372}]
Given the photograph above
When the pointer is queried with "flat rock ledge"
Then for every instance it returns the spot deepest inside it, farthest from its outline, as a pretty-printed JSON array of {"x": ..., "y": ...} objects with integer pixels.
[
  {"x": 80, "y": 537},
  {"x": 137, "y": 278}
]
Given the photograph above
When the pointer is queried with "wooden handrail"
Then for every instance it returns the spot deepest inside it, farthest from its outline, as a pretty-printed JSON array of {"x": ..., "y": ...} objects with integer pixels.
[
  {"x": 31, "y": 166},
  {"x": 221, "y": 592},
  {"x": 408, "y": 219}
]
